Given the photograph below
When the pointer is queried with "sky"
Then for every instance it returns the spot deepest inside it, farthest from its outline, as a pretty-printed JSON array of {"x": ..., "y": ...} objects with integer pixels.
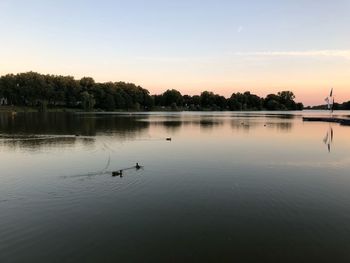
[{"x": 189, "y": 45}]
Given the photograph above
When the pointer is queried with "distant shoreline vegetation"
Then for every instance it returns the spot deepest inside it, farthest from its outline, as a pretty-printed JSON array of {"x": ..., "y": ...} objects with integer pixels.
[
  {"x": 336, "y": 106},
  {"x": 47, "y": 92}
]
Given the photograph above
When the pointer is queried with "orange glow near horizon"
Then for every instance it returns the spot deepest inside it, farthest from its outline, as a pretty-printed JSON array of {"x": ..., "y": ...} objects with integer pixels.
[{"x": 309, "y": 78}]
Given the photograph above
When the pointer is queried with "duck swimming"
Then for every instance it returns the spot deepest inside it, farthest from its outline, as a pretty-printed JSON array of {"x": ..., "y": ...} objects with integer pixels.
[
  {"x": 137, "y": 166},
  {"x": 117, "y": 173}
]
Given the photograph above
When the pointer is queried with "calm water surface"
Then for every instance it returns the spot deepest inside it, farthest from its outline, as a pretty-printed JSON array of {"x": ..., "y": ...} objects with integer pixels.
[{"x": 228, "y": 187}]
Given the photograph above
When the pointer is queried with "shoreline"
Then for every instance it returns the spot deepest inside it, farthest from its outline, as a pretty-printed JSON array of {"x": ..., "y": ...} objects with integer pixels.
[{"x": 28, "y": 109}]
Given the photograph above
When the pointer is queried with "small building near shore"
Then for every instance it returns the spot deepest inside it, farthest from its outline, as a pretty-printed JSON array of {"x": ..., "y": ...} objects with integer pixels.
[{"x": 3, "y": 101}]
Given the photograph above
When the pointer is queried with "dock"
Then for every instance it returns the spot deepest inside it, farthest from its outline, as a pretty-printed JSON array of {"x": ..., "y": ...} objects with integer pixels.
[{"x": 341, "y": 121}]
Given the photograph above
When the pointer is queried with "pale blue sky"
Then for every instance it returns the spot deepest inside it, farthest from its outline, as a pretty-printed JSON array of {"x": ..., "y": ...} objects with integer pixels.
[{"x": 223, "y": 46}]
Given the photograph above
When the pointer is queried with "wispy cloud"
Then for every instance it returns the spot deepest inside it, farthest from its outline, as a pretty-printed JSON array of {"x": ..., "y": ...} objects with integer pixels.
[
  {"x": 309, "y": 53},
  {"x": 342, "y": 54},
  {"x": 163, "y": 58}
]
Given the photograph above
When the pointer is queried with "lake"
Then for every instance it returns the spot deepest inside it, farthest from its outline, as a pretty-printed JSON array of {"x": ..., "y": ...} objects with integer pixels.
[{"x": 228, "y": 187}]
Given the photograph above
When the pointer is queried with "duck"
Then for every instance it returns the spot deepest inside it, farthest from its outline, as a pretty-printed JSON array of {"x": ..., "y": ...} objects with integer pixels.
[
  {"x": 137, "y": 166},
  {"x": 117, "y": 173},
  {"x": 168, "y": 139}
]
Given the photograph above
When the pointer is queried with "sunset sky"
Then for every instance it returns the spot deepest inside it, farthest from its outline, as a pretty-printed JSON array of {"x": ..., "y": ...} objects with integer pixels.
[{"x": 189, "y": 45}]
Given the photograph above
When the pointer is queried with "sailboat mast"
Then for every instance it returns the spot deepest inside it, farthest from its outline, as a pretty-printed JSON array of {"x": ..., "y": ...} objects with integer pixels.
[{"x": 331, "y": 98}]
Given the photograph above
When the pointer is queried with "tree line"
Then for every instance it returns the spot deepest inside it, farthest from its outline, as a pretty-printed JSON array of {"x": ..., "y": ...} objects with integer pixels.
[
  {"x": 38, "y": 90},
  {"x": 336, "y": 106}
]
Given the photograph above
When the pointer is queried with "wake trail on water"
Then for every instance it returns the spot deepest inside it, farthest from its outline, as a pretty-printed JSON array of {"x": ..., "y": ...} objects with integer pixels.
[
  {"x": 6, "y": 138},
  {"x": 104, "y": 171}
]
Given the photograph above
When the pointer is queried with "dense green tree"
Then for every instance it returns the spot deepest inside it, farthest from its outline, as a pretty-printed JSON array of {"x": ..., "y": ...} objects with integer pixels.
[
  {"x": 245, "y": 101},
  {"x": 207, "y": 99},
  {"x": 346, "y": 105},
  {"x": 196, "y": 100},
  {"x": 88, "y": 101},
  {"x": 299, "y": 106},
  {"x": 287, "y": 99},
  {"x": 110, "y": 102},
  {"x": 158, "y": 100},
  {"x": 220, "y": 102},
  {"x": 284, "y": 100},
  {"x": 87, "y": 83},
  {"x": 8, "y": 87},
  {"x": 172, "y": 97}
]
